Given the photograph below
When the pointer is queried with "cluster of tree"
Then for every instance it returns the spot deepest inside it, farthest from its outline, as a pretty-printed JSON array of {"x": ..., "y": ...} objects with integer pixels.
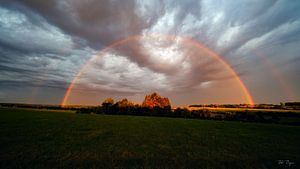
[
  {"x": 223, "y": 105},
  {"x": 125, "y": 107},
  {"x": 154, "y": 105},
  {"x": 292, "y": 105},
  {"x": 247, "y": 116},
  {"x": 286, "y": 106}
]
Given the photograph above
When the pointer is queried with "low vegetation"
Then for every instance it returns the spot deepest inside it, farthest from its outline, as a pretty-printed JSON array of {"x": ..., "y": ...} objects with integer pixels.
[
  {"x": 154, "y": 105},
  {"x": 51, "y": 139}
]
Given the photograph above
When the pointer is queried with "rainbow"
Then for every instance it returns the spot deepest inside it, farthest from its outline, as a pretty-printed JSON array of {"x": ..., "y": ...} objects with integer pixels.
[{"x": 197, "y": 44}]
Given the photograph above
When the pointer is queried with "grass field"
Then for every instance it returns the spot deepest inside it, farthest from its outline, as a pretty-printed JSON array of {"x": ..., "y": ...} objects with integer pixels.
[{"x": 51, "y": 139}]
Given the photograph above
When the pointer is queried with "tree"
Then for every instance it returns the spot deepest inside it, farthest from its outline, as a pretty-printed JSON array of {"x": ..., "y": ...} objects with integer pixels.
[
  {"x": 155, "y": 100},
  {"x": 125, "y": 107},
  {"x": 124, "y": 103},
  {"x": 108, "y": 105},
  {"x": 108, "y": 101}
]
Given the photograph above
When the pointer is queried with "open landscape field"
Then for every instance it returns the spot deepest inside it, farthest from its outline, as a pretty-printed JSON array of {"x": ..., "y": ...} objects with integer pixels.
[
  {"x": 52, "y": 139},
  {"x": 149, "y": 84},
  {"x": 221, "y": 109}
]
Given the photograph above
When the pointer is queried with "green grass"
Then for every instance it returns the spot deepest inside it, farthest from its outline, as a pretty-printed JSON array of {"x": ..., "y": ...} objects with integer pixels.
[{"x": 46, "y": 139}]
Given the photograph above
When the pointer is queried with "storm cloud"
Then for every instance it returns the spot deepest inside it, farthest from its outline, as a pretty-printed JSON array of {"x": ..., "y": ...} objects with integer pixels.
[{"x": 44, "y": 44}]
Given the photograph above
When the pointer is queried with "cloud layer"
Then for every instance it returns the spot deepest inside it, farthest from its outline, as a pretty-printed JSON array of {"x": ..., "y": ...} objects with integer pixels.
[{"x": 43, "y": 45}]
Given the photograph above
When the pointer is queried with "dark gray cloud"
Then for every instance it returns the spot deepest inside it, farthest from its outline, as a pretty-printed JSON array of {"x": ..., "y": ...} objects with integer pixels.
[
  {"x": 50, "y": 40},
  {"x": 99, "y": 22}
]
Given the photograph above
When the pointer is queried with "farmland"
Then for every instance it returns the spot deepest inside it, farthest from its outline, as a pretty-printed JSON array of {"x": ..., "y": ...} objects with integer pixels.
[{"x": 62, "y": 139}]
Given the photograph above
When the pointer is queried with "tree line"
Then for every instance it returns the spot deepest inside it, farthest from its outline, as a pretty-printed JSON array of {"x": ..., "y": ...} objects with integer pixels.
[{"x": 124, "y": 107}]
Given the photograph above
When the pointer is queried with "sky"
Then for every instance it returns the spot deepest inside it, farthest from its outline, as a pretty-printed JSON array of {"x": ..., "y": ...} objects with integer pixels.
[{"x": 192, "y": 51}]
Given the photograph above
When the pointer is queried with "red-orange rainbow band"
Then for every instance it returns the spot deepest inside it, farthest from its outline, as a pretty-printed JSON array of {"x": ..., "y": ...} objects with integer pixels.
[{"x": 135, "y": 37}]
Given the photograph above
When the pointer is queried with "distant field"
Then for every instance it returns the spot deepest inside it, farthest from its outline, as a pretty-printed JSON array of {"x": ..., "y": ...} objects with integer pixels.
[
  {"x": 52, "y": 139},
  {"x": 243, "y": 109},
  {"x": 37, "y": 109}
]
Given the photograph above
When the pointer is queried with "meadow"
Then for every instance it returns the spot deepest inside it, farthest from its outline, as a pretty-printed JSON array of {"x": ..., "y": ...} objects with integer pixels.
[{"x": 54, "y": 139}]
